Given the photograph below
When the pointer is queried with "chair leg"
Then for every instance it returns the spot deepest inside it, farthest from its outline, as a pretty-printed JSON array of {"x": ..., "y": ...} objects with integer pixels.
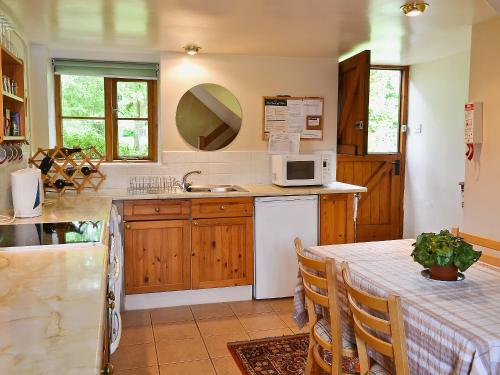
[{"x": 310, "y": 360}]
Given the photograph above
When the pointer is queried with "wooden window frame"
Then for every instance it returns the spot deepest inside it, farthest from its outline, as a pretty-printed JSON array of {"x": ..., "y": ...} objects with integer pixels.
[
  {"x": 403, "y": 104},
  {"x": 111, "y": 119}
]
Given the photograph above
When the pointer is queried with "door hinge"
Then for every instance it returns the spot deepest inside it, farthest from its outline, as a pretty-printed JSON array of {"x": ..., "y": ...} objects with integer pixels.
[{"x": 397, "y": 167}]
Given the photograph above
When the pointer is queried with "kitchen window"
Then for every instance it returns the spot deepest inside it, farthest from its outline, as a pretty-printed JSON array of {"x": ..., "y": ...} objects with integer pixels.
[
  {"x": 386, "y": 108},
  {"x": 112, "y": 106}
]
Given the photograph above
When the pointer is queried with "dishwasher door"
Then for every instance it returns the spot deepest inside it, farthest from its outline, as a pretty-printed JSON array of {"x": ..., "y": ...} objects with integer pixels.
[{"x": 278, "y": 220}]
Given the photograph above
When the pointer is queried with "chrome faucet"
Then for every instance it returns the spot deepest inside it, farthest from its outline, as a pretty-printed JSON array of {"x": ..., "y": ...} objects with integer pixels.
[{"x": 184, "y": 185}]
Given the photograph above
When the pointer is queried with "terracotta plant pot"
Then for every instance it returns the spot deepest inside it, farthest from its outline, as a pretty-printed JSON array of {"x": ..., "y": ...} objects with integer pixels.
[{"x": 446, "y": 273}]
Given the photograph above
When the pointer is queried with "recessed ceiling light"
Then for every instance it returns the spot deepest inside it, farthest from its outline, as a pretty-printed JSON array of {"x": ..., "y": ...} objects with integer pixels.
[
  {"x": 414, "y": 8},
  {"x": 192, "y": 49}
]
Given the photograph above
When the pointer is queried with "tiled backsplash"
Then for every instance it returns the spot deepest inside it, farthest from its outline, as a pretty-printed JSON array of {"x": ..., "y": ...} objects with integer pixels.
[{"x": 218, "y": 167}]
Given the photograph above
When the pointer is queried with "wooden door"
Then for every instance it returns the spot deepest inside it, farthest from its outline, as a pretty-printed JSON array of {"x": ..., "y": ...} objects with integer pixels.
[
  {"x": 336, "y": 219},
  {"x": 354, "y": 83},
  {"x": 380, "y": 209},
  {"x": 222, "y": 252},
  {"x": 157, "y": 256}
]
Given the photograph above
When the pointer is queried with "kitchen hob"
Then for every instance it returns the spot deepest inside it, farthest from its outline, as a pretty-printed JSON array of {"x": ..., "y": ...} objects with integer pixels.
[{"x": 72, "y": 232}]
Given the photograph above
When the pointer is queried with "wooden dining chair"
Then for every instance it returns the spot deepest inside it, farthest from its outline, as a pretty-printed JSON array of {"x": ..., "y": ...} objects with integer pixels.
[
  {"x": 370, "y": 327},
  {"x": 321, "y": 289},
  {"x": 481, "y": 241}
]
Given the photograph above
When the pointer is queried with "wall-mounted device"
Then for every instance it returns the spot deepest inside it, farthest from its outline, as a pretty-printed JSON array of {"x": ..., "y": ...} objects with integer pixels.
[{"x": 473, "y": 127}]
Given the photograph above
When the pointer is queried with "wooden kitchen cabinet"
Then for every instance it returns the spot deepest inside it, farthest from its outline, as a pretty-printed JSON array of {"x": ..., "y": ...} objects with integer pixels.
[
  {"x": 157, "y": 256},
  {"x": 222, "y": 252},
  {"x": 336, "y": 219}
]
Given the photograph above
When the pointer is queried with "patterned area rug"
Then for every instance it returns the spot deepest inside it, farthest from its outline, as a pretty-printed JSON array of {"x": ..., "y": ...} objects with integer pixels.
[{"x": 285, "y": 355}]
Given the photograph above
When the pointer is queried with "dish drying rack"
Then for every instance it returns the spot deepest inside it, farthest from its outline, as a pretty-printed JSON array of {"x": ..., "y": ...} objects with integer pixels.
[{"x": 152, "y": 184}]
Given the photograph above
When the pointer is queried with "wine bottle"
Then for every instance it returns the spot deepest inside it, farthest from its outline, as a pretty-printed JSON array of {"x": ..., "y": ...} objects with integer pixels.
[
  {"x": 70, "y": 171},
  {"x": 87, "y": 170},
  {"x": 46, "y": 164},
  {"x": 60, "y": 183}
]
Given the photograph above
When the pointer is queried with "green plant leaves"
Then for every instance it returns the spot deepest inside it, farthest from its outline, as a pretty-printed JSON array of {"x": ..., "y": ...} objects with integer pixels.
[{"x": 443, "y": 249}]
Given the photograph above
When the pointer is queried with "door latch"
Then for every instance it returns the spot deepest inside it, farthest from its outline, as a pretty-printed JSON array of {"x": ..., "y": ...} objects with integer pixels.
[
  {"x": 359, "y": 125},
  {"x": 397, "y": 167}
]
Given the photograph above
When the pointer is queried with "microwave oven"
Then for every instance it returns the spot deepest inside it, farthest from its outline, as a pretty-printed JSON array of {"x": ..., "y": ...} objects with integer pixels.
[{"x": 301, "y": 169}]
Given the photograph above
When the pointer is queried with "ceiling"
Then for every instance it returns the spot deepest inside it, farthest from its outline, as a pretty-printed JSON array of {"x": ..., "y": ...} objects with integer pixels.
[{"x": 303, "y": 28}]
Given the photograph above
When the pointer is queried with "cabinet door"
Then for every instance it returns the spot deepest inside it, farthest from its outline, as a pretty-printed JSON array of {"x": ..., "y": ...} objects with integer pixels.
[
  {"x": 336, "y": 219},
  {"x": 222, "y": 252},
  {"x": 157, "y": 256}
]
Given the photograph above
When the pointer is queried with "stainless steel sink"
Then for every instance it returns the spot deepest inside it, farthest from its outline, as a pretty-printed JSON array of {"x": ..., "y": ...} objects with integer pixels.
[{"x": 215, "y": 188}]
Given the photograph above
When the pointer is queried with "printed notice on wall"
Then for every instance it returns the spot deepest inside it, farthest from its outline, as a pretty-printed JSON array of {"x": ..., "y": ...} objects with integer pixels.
[
  {"x": 284, "y": 143},
  {"x": 296, "y": 117},
  {"x": 276, "y": 115}
]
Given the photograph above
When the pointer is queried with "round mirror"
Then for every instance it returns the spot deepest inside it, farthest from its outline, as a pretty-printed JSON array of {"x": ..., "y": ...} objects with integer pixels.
[{"x": 208, "y": 117}]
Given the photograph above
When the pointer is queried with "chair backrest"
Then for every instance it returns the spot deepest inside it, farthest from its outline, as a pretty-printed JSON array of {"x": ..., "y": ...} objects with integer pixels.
[
  {"x": 321, "y": 288},
  {"x": 370, "y": 327},
  {"x": 481, "y": 241}
]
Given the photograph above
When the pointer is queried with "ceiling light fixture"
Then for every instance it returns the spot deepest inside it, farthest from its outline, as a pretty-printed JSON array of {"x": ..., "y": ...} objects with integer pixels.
[
  {"x": 414, "y": 8},
  {"x": 192, "y": 49}
]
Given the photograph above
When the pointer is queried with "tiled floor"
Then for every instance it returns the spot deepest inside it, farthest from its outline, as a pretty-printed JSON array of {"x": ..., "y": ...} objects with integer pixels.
[{"x": 190, "y": 340}]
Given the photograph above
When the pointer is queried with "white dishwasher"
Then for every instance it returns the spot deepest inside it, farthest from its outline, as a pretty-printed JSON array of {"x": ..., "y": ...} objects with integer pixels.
[{"x": 278, "y": 220}]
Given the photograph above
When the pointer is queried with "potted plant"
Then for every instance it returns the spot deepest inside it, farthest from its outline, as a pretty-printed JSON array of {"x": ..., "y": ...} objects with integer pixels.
[{"x": 444, "y": 254}]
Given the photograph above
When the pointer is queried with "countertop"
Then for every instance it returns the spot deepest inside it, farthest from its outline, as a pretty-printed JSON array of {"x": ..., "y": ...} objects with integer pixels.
[
  {"x": 52, "y": 298},
  {"x": 261, "y": 190}
]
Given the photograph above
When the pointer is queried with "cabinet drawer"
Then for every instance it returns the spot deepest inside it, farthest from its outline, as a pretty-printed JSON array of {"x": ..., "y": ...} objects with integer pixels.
[
  {"x": 156, "y": 209},
  {"x": 221, "y": 207}
]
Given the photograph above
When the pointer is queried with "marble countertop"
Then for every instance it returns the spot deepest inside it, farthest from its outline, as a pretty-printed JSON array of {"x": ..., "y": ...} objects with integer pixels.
[{"x": 52, "y": 298}]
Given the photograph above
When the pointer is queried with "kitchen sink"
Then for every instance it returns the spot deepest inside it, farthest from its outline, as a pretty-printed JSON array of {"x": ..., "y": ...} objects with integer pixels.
[{"x": 215, "y": 189}]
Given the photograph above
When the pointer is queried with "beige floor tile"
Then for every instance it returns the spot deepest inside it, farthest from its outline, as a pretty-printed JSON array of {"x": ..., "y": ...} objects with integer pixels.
[
  {"x": 261, "y": 322},
  {"x": 217, "y": 345},
  {"x": 212, "y": 310},
  {"x": 226, "y": 366},
  {"x": 286, "y": 317},
  {"x": 171, "y": 314},
  {"x": 250, "y": 307},
  {"x": 171, "y": 351},
  {"x": 220, "y": 326},
  {"x": 296, "y": 329},
  {"x": 136, "y": 335},
  {"x": 134, "y": 318},
  {"x": 176, "y": 331},
  {"x": 134, "y": 356},
  {"x": 153, "y": 370},
  {"x": 203, "y": 367},
  {"x": 282, "y": 305},
  {"x": 270, "y": 333}
]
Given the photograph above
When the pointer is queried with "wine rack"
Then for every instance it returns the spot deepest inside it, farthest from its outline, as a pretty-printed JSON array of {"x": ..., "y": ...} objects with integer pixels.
[{"x": 66, "y": 169}]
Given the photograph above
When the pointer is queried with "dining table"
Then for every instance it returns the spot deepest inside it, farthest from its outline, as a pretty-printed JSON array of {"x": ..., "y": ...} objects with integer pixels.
[{"x": 451, "y": 327}]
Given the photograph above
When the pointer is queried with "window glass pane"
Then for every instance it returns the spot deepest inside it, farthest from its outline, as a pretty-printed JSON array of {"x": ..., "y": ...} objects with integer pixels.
[
  {"x": 133, "y": 138},
  {"x": 84, "y": 134},
  {"x": 384, "y": 111},
  {"x": 132, "y": 99},
  {"x": 82, "y": 96}
]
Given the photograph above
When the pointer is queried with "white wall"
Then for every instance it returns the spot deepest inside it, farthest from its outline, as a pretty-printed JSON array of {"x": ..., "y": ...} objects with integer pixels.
[
  {"x": 482, "y": 174},
  {"x": 435, "y": 157}
]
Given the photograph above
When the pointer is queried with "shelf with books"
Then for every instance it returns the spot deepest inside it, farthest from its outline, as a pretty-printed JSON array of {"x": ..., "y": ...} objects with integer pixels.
[{"x": 13, "y": 109}]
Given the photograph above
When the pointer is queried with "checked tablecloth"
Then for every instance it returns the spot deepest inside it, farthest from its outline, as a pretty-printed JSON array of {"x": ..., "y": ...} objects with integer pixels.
[{"x": 451, "y": 327}]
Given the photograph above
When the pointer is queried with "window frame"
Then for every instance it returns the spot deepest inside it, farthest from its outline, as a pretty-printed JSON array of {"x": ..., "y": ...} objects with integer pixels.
[
  {"x": 403, "y": 106},
  {"x": 111, "y": 119}
]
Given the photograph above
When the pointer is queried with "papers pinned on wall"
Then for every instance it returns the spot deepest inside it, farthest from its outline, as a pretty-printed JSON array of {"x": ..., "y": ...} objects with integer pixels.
[
  {"x": 284, "y": 143},
  {"x": 301, "y": 115}
]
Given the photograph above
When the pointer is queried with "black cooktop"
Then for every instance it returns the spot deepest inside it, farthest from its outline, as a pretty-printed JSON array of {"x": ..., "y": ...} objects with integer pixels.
[{"x": 71, "y": 232}]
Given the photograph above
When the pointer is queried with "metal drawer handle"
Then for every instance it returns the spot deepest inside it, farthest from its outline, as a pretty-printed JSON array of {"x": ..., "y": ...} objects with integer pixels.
[
  {"x": 222, "y": 207},
  {"x": 111, "y": 295},
  {"x": 195, "y": 223},
  {"x": 157, "y": 209},
  {"x": 127, "y": 226}
]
